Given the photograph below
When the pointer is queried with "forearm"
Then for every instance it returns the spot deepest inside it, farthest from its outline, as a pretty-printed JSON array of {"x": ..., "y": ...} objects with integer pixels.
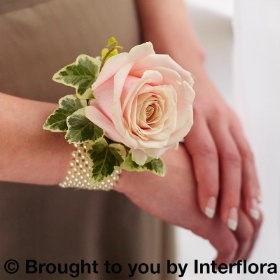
[
  {"x": 167, "y": 25},
  {"x": 29, "y": 154}
]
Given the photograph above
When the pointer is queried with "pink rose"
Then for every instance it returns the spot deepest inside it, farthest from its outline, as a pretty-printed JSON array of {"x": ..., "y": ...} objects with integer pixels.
[{"x": 143, "y": 100}]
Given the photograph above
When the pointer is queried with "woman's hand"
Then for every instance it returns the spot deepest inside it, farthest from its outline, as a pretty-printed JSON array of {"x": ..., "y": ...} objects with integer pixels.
[
  {"x": 174, "y": 200},
  {"x": 223, "y": 162}
]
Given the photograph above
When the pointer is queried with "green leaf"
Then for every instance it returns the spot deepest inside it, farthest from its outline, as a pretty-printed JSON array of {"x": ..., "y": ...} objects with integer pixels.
[
  {"x": 104, "y": 52},
  {"x": 69, "y": 104},
  {"x": 81, "y": 75},
  {"x": 112, "y": 41},
  {"x": 153, "y": 165},
  {"x": 110, "y": 50},
  {"x": 81, "y": 129},
  {"x": 105, "y": 158}
]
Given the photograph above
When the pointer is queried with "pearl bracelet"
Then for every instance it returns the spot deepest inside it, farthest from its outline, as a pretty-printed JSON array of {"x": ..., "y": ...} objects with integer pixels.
[{"x": 79, "y": 173}]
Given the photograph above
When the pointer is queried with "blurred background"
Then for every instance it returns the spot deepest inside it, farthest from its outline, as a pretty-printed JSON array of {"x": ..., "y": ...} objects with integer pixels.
[{"x": 242, "y": 42}]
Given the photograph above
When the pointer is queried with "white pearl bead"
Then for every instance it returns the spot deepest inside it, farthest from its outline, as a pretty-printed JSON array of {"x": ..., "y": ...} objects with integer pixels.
[{"x": 79, "y": 173}]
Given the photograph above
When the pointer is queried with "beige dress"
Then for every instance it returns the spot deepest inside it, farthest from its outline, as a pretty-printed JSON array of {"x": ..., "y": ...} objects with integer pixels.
[{"x": 46, "y": 223}]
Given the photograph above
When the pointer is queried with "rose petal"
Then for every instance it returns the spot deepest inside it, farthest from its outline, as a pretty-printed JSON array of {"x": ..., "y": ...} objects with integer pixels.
[
  {"x": 138, "y": 156},
  {"x": 114, "y": 63},
  {"x": 149, "y": 77},
  {"x": 157, "y": 153},
  {"x": 178, "y": 135},
  {"x": 140, "y": 51},
  {"x": 185, "y": 100},
  {"x": 117, "y": 112},
  {"x": 162, "y": 60},
  {"x": 185, "y": 92},
  {"x": 104, "y": 98},
  {"x": 95, "y": 116}
]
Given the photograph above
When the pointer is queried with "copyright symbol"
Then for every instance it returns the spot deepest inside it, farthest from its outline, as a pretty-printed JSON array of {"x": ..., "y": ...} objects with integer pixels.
[{"x": 11, "y": 266}]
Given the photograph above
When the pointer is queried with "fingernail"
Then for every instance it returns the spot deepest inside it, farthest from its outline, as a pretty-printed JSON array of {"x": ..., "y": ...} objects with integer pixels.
[
  {"x": 254, "y": 211},
  {"x": 211, "y": 207},
  {"x": 232, "y": 218}
]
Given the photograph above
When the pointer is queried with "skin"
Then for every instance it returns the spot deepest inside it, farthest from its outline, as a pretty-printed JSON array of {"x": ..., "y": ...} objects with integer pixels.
[
  {"x": 40, "y": 157},
  {"x": 172, "y": 198},
  {"x": 222, "y": 159},
  {"x": 215, "y": 147}
]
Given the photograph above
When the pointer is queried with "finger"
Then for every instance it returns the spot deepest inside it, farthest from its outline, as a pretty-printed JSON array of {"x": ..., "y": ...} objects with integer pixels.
[
  {"x": 250, "y": 183},
  {"x": 230, "y": 173},
  {"x": 245, "y": 234},
  {"x": 202, "y": 149},
  {"x": 257, "y": 225},
  {"x": 221, "y": 238}
]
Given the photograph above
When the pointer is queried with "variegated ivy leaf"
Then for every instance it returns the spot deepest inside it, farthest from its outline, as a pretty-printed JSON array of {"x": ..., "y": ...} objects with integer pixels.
[
  {"x": 105, "y": 157},
  {"x": 81, "y": 75},
  {"x": 81, "y": 129},
  {"x": 153, "y": 165},
  {"x": 69, "y": 104}
]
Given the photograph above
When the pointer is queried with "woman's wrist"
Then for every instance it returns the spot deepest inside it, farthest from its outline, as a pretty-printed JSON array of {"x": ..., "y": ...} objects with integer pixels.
[{"x": 28, "y": 153}]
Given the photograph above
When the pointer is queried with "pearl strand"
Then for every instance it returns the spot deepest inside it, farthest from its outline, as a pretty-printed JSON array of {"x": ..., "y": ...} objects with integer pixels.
[{"x": 78, "y": 175}]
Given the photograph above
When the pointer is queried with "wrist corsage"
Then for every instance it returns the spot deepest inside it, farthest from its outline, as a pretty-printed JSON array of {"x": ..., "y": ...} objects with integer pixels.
[{"x": 128, "y": 110}]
